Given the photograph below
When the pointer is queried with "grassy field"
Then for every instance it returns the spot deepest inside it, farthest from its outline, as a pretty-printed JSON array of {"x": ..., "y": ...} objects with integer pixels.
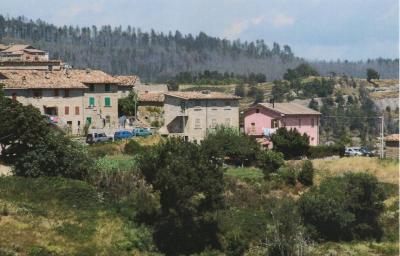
[
  {"x": 385, "y": 170},
  {"x": 250, "y": 174}
]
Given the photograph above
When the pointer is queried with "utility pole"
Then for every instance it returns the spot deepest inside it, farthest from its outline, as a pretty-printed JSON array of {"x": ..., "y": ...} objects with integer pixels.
[{"x": 382, "y": 146}]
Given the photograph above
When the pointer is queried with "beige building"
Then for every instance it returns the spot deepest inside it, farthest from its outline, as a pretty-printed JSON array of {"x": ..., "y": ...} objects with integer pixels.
[
  {"x": 69, "y": 97},
  {"x": 192, "y": 114},
  {"x": 22, "y": 52}
]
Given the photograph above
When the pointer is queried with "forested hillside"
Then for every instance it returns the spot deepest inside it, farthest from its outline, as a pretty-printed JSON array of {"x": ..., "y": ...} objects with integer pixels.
[{"x": 156, "y": 56}]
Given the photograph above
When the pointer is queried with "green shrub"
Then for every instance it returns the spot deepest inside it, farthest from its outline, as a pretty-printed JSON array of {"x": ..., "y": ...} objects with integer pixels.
[
  {"x": 99, "y": 150},
  {"x": 344, "y": 208},
  {"x": 39, "y": 251},
  {"x": 290, "y": 142},
  {"x": 288, "y": 174},
  {"x": 133, "y": 147},
  {"x": 4, "y": 210},
  {"x": 270, "y": 161},
  {"x": 322, "y": 151},
  {"x": 306, "y": 173}
]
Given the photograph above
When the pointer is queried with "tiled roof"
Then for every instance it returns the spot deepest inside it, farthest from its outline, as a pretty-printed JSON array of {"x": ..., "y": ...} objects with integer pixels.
[
  {"x": 151, "y": 97},
  {"x": 393, "y": 137},
  {"x": 17, "y": 47},
  {"x": 128, "y": 80},
  {"x": 74, "y": 78},
  {"x": 202, "y": 95},
  {"x": 289, "y": 109},
  {"x": 151, "y": 88}
]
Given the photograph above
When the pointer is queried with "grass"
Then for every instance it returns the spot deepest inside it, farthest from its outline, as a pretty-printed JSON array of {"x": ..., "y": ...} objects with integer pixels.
[
  {"x": 61, "y": 217},
  {"x": 248, "y": 174},
  {"x": 385, "y": 170}
]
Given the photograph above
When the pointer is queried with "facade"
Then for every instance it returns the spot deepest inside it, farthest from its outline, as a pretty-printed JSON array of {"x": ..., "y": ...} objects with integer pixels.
[
  {"x": 192, "y": 114},
  {"x": 264, "y": 118},
  {"x": 392, "y": 146},
  {"x": 22, "y": 52},
  {"x": 71, "y": 98},
  {"x": 126, "y": 84}
]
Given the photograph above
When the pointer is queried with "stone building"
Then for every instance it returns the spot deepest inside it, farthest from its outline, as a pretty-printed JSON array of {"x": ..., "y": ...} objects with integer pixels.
[
  {"x": 70, "y": 97},
  {"x": 392, "y": 146},
  {"x": 192, "y": 114},
  {"x": 22, "y": 52}
]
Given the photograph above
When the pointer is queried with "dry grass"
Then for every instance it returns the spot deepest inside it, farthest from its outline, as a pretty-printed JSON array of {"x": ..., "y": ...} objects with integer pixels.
[
  {"x": 383, "y": 95},
  {"x": 148, "y": 141},
  {"x": 384, "y": 170}
]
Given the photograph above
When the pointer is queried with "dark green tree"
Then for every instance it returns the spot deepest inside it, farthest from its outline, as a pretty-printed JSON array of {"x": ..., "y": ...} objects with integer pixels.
[
  {"x": 128, "y": 106},
  {"x": 313, "y": 104},
  {"x": 306, "y": 173},
  {"x": 270, "y": 161},
  {"x": 290, "y": 142},
  {"x": 372, "y": 74},
  {"x": 240, "y": 91},
  {"x": 190, "y": 187}
]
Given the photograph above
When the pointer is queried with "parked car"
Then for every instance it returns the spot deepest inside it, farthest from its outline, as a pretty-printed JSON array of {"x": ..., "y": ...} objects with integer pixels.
[
  {"x": 353, "y": 151},
  {"x": 97, "y": 137},
  {"x": 141, "y": 132},
  {"x": 367, "y": 152},
  {"x": 119, "y": 135}
]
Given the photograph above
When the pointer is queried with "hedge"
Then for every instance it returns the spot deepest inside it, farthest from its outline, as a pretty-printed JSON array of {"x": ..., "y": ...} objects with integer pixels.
[{"x": 325, "y": 151}]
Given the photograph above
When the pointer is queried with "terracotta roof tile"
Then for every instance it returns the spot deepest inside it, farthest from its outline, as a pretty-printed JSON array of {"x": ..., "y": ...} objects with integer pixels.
[
  {"x": 128, "y": 80},
  {"x": 202, "y": 95},
  {"x": 151, "y": 97}
]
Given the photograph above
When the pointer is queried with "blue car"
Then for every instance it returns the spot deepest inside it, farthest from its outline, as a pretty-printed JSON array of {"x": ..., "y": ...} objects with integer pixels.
[
  {"x": 141, "y": 132},
  {"x": 122, "y": 135}
]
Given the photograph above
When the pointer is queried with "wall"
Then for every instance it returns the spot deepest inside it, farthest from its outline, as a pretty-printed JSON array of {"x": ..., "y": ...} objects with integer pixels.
[
  {"x": 261, "y": 120},
  {"x": 308, "y": 124}
]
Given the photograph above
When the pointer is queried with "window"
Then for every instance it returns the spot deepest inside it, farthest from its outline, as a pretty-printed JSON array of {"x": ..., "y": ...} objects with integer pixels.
[
  {"x": 56, "y": 93},
  {"x": 37, "y": 93},
  {"x": 91, "y": 87},
  {"x": 76, "y": 110},
  {"x": 274, "y": 123},
  {"x": 299, "y": 122},
  {"x": 91, "y": 101},
  {"x": 197, "y": 124},
  {"x": 257, "y": 110},
  {"x": 107, "y": 88},
  {"x": 66, "y": 93},
  {"x": 227, "y": 121},
  {"x": 312, "y": 122},
  {"x": 14, "y": 96},
  {"x": 66, "y": 110},
  {"x": 107, "y": 102},
  {"x": 213, "y": 123}
]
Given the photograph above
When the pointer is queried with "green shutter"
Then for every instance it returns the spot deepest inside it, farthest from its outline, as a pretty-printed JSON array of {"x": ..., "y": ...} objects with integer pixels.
[
  {"x": 91, "y": 101},
  {"x": 89, "y": 120},
  {"x": 107, "y": 102}
]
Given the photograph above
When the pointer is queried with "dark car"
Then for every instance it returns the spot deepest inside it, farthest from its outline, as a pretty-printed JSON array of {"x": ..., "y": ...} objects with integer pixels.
[
  {"x": 367, "y": 152},
  {"x": 119, "y": 135}
]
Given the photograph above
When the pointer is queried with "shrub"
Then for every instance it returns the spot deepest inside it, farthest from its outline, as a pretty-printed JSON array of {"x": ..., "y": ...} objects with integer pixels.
[
  {"x": 322, "y": 151},
  {"x": 133, "y": 148},
  {"x": 288, "y": 174},
  {"x": 344, "y": 208},
  {"x": 99, "y": 150},
  {"x": 270, "y": 161},
  {"x": 290, "y": 142},
  {"x": 306, "y": 173}
]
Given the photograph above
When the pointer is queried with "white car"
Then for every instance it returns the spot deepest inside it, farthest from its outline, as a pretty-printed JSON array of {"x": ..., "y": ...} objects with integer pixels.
[
  {"x": 353, "y": 151},
  {"x": 97, "y": 137}
]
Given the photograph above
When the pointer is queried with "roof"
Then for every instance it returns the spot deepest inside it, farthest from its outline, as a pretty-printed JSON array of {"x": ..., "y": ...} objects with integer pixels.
[
  {"x": 3, "y": 47},
  {"x": 17, "y": 47},
  {"x": 393, "y": 137},
  {"x": 203, "y": 95},
  {"x": 128, "y": 80},
  {"x": 151, "y": 88},
  {"x": 74, "y": 78},
  {"x": 289, "y": 108},
  {"x": 151, "y": 97}
]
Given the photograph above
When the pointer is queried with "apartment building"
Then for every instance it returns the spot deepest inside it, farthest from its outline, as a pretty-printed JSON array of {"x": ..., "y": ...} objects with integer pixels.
[
  {"x": 22, "y": 52},
  {"x": 192, "y": 114},
  {"x": 70, "y": 97}
]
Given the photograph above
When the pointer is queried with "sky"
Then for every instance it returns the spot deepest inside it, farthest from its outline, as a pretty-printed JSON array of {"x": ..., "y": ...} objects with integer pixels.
[{"x": 314, "y": 29}]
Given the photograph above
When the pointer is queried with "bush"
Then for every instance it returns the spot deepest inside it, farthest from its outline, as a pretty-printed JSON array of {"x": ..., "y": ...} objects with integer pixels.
[
  {"x": 306, "y": 174},
  {"x": 288, "y": 174},
  {"x": 270, "y": 161},
  {"x": 344, "y": 208},
  {"x": 133, "y": 148},
  {"x": 325, "y": 151},
  {"x": 99, "y": 150},
  {"x": 290, "y": 142}
]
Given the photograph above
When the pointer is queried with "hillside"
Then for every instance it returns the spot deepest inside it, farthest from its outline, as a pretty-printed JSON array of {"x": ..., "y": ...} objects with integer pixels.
[{"x": 156, "y": 56}]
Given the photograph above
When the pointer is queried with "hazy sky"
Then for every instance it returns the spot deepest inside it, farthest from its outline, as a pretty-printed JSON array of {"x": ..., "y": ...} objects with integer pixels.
[{"x": 315, "y": 29}]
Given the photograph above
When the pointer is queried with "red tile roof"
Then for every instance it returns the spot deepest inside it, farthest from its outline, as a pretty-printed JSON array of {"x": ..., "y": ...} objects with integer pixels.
[{"x": 202, "y": 95}]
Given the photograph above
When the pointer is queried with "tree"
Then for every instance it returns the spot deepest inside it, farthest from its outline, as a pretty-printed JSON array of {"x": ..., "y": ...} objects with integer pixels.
[
  {"x": 290, "y": 142},
  {"x": 372, "y": 74},
  {"x": 270, "y": 161},
  {"x": 229, "y": 142},
  {"x": 313, "y": 104},
  {"x": 239, "y": 90},
  {"x": 190, "y": 187},
  {"x": 128, "y": 106},
  {"x": 306, "y": 173},
  {"x": 344, "y": 208},
  {"x": 44, "y": 150}
]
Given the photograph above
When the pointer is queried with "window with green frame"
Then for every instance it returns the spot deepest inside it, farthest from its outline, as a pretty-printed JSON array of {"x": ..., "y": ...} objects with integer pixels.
[
  {"x": 107, "y": 102},
  {"x": 107, "y": 88},
  {"x": 89, "y": 120},
  {"x": 91, "y": 101}
]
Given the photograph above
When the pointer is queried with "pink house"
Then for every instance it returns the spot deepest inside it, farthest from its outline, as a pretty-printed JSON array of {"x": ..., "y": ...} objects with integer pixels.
[{"x": 263, "y": 119}]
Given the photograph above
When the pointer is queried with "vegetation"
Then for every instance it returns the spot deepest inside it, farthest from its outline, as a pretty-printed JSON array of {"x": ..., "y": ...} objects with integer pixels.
[
  {"x": 322, "y": 151},
  {"x": 290, "y": 142},
  {"x": 270, "y": 161},
  {"x": 306, "y": 174},
  {"x": 208, "y": 77},
  {"x": 127, "y": 106}
]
